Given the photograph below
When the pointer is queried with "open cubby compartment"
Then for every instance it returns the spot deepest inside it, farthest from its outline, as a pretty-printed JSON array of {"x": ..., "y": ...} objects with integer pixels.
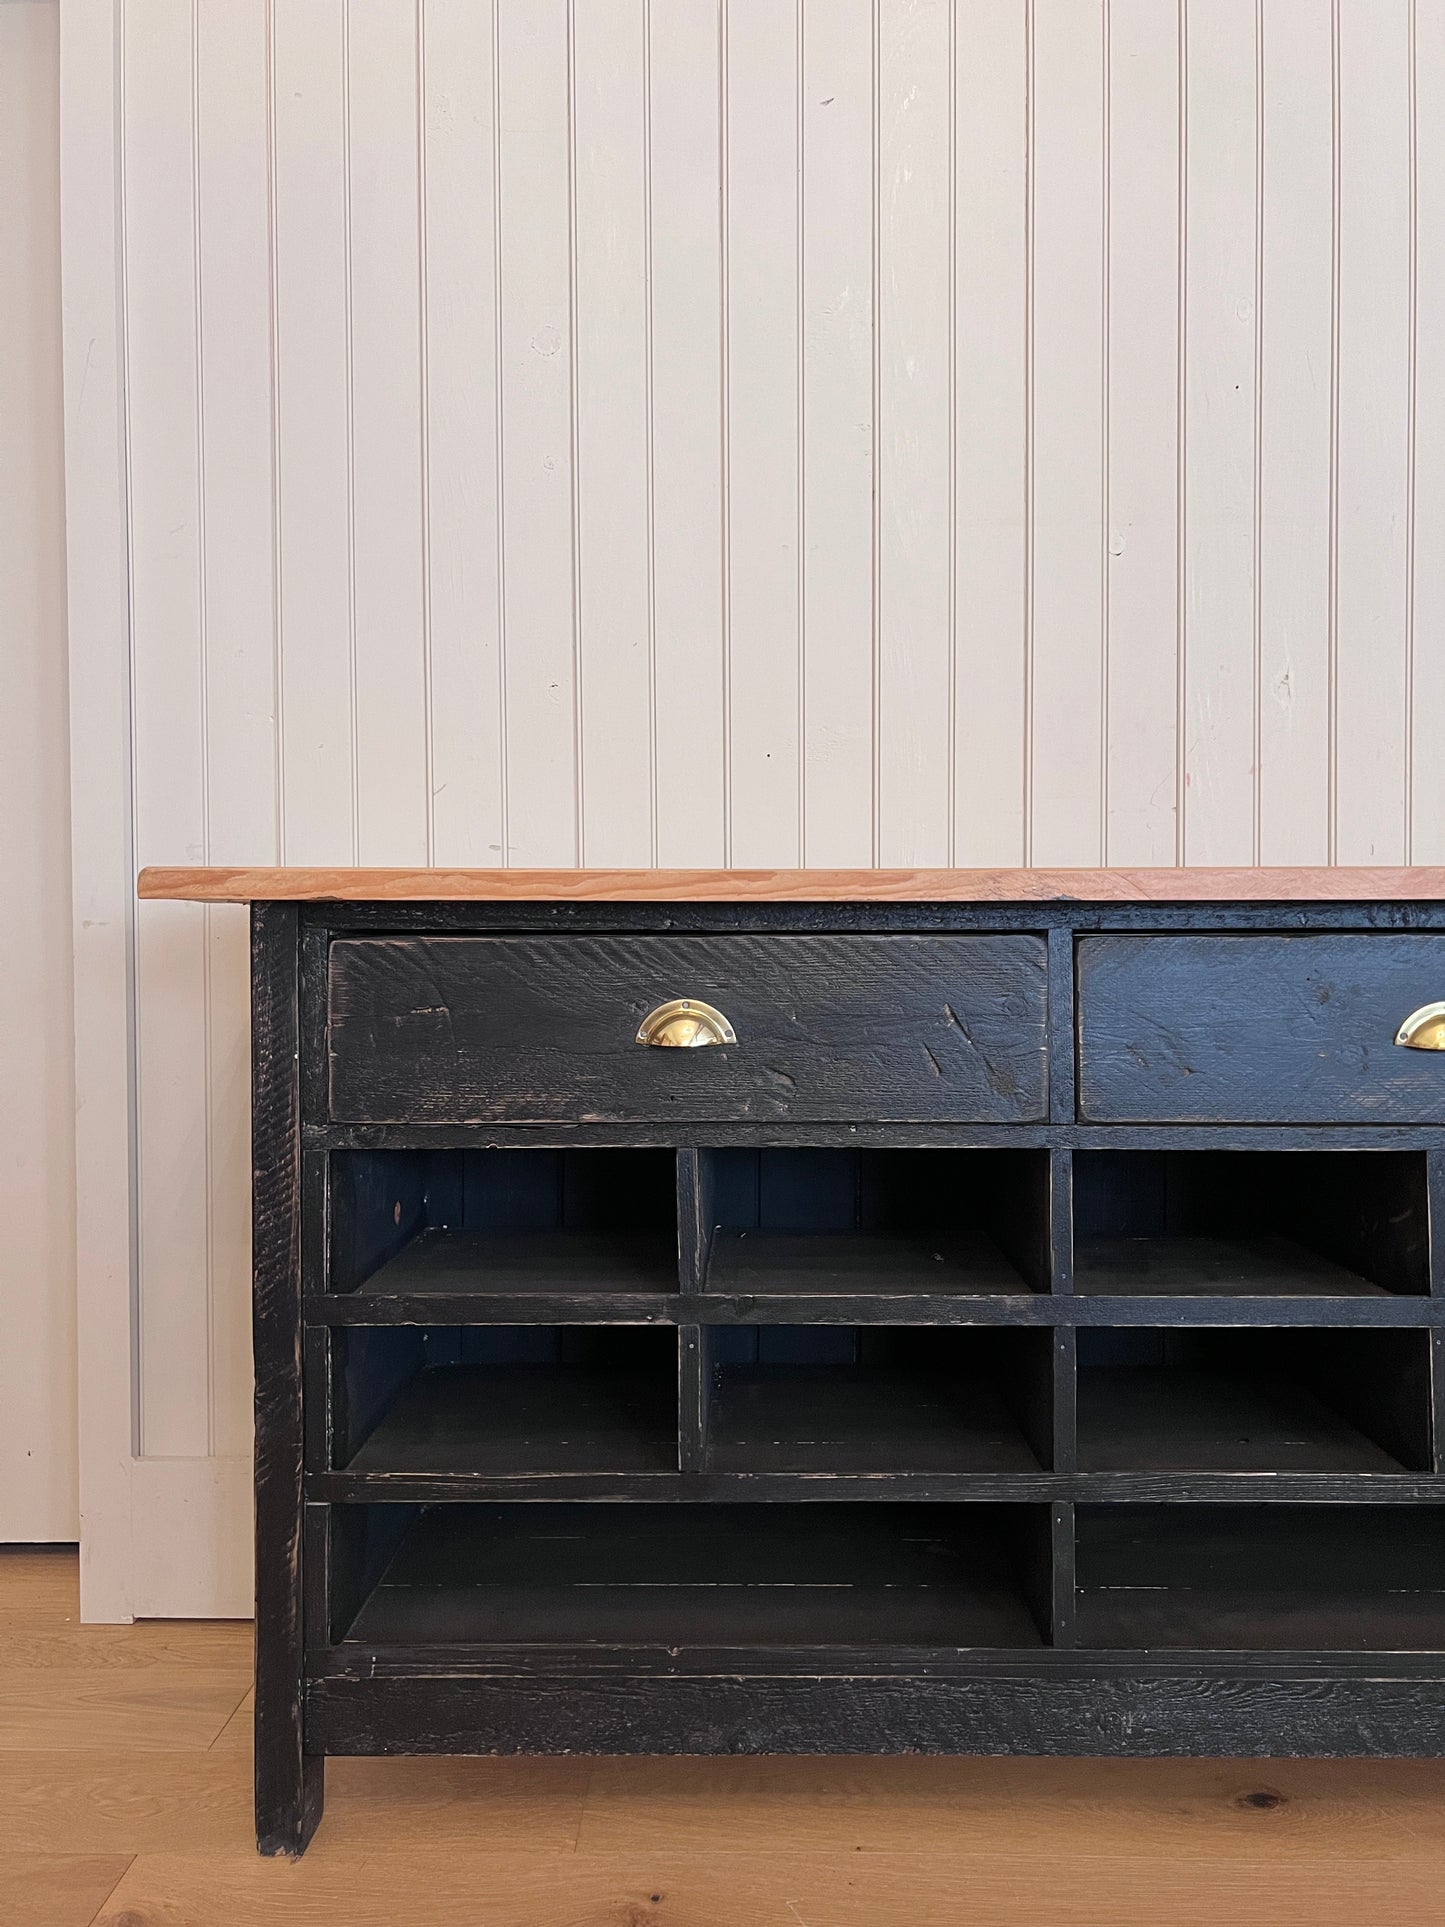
[
  {"x": 1296, "y": 1578},
  {"x": 811, "y": 1221},
  {"x": 682, "y": 1574},
  {"x": 503, "y": 1221},
  {"x": 500, "y": 1400},
  {"x": 1290, "y": 1224},
  {"x": 863, "y": 1399},
  {"x": 1253, "y": 1400}
]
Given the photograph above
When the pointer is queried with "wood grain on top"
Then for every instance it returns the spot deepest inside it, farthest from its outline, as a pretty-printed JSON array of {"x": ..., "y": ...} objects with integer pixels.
[{"x": 219, "y": 884}]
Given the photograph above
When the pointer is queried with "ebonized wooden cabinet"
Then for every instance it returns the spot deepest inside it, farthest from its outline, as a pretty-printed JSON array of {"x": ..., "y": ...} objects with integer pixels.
[{"x": 1026, "y": 1337}]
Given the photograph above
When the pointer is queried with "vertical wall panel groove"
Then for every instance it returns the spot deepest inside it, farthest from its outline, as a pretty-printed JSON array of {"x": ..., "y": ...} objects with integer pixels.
[
  {"x": 1373, "y": 428},
  {"x": 1333, "y": 765},
  {"x": 649, "y": 360},
  {"x": 687, "y": 209},
  {"x": 1257, "y": 498},
  {"x": 424, "y": 429},
  {"x": 1106, "y": 56},
  {"x": 1066, "y": 779},
  {"x": 1412, "y": 414},
  {"x": 1181, "y": 437},
  {"x": 990, "y": 436},
  {"x": 579, "y": 688},
  {"x": 799, "y": 285},
  {"x": 207, "y": 1068},
  {"x": 763, "y": 483},
  {"x": 611, "y": 484},
  {"x": 537, "y": 404},
  {"x": 1293, "y": 554},
  {"x": 163, "y": 399},
  {"x": 915, "y": 433},
  {"x": 837, "y": 428},
  {"x": 313, "y": 415},
  {"x": 460, "y": 247},
  {"x": 1026, "y": 585},
  {"x": 348, "y": 365},
  {"x": 386, "y": 432},
  {"x": 1427, "y": 798},
  {"x": 237, "y": 547},
  {"x": 1141, "y": 422},
  {"x": 724, "y": 56},
  {"x": 1220, "y": 377}
]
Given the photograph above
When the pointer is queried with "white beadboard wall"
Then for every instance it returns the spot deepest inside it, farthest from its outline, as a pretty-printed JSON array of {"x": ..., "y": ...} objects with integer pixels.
[{"x": 723, "y": 432}]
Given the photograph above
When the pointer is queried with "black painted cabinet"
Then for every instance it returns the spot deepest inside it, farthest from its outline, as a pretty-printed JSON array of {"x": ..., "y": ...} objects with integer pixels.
[{"x": 1024, "y": 1331}]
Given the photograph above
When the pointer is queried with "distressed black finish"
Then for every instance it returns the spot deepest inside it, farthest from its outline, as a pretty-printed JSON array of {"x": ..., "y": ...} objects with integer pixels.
[
  {"x": 1189, "y": 1712},
  {"x": 861, "y": 1386},
  {"x": 1256, "y": 1030},
  {"x": 288, "y": 1779},
  {"x": 542, "y": 1030}
]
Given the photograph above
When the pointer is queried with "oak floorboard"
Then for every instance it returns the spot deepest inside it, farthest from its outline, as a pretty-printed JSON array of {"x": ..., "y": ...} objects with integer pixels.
[
  {"x": 237, "y": 1734},
  {"x": 56, "y": 1889},
  {"x": 661, "y": 1887},
  {"x": 1299, "y": 1809},
  {"x": 160, "y": 1708},
  {"x": 178, "y": 1803},
  {"x": 39, "y": 1584},
  {"x": 218, "y": 1646},
  {"x": 127, "y": 1802}
]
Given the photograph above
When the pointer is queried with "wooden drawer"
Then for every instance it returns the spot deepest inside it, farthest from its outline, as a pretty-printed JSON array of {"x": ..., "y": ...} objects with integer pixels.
[
  {"x": 1257, "y": 1030},
  {"x": 543, "y": 1029}
]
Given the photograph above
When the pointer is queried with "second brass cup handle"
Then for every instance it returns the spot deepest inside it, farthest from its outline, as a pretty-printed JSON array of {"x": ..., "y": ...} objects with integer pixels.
[
  {"x": 1423, "y": 1029},
  {"x": 685, "y": 1023}
]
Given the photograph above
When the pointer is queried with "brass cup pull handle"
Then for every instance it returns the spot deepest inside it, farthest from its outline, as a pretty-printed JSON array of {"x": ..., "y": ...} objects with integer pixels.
[
  {"x": 685, "y": 1024},
  {"x": 1423, "y": 1029}
]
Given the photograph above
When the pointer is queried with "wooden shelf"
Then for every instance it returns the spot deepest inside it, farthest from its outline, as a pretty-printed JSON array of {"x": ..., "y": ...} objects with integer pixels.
[
  {"x": 1301, "y": 1579},
  {"x": 523, "y": 1419},
  {"x": 1193, "y": 1266},
  {"x": 441, "y": 1262},
  {"x": 838, "y": 1419},
  {"x": 714, "y": 1575},
  {"x": 1172, "y": 1419},
  {"x": 762, "y": 1263}
]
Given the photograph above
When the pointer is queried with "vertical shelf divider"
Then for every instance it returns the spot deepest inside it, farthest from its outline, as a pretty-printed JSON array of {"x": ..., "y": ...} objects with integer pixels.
[
  {"x": 318, "y": 1552},
  {"x": 1062, "y": 1545},
  {"x": 1435, "y": 1219},
  {"x": 321, "y": 1351},
  {"x": 694, "y": 1396},
  {"x": 1066, "y": 1399},
  {"x": 1061, "y": 1222},
  {"x": 695, "y": 1218}
]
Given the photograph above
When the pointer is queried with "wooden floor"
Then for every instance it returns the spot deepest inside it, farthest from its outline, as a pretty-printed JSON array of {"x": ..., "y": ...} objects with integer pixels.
[{"x": 125, "y": 1802}]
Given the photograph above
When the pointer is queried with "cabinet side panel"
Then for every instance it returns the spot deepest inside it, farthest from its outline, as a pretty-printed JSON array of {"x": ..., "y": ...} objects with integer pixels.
[{"x": 288, "y": 1785}]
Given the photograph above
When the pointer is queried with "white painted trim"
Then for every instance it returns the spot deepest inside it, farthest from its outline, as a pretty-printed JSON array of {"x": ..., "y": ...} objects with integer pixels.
[
  {"x": 191, "y": 1534},
  {"x": 102, "y": 843},
  {"x": 37, "y": 1131}
]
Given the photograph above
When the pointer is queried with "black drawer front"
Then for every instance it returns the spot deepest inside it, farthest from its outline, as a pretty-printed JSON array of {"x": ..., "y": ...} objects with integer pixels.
[
  {"x": 1257, "y": 1030},
  {"x": 542, "y": 1029}
]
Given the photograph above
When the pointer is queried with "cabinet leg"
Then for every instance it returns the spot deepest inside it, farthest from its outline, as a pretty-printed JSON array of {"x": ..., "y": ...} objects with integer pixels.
[{"x": 289, "y": 1798}]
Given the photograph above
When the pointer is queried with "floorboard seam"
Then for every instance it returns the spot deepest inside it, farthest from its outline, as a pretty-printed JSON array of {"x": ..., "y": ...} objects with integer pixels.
[{"x": 112, "y": 1891}]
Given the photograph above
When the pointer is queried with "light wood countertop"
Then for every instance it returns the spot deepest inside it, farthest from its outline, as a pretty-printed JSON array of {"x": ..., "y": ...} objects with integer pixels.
[{"x": 218, "y": 884}]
